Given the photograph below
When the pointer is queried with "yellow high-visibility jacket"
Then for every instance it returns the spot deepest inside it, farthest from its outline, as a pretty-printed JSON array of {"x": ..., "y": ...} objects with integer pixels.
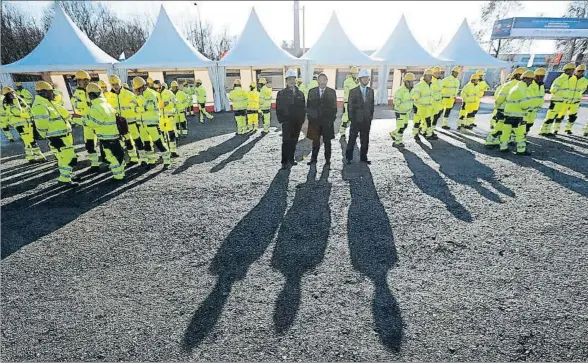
[
  {"x": 51, "y": 119},
  {"x": 500, "y": 100},
  {"x": 537, "y": 95},
  {"x": 200, "y": 94},
  {"x": 14, "y": 115},
  {"x": 312, "y": 84},
  {"x": 80, "y": 102},
  {"x": 577, "y": 88},
  {"x": 449, "y": 87},
  {"x": 560, "y": 88},
  {"x": 402, "y": 100},
  {"x": 102, "y": 119},
  {"x": 436, "y": 92},
  {"x": 470, "y": 93},
  {"x": 253, "y": 100},
  {"x": 265, "y": 98},
  {"x": 58, "y": 96},
  {"x": 483, "y": 87},
  {"x": 518, "y": 102},
  {"x": 26, "y": 95},
  {"x": 124, "y": 103},
  {"x": 181, "y": 100},
  {"x": 168, "y": 100},
  {"x": 348, "y": 85},
  {"x": 238, "y": 97},
  {"x": 147, "y": 107},
  {"x": 422, "y": 94}
]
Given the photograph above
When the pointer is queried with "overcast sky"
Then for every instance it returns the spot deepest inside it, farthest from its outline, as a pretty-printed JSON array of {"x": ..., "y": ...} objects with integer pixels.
[{"x": 367, "y": 23}]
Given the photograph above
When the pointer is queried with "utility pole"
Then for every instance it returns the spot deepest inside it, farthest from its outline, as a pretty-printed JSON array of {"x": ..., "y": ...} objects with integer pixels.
[
  {"x": 296, "y": 28},
  {"x": 200, "y": 26}
]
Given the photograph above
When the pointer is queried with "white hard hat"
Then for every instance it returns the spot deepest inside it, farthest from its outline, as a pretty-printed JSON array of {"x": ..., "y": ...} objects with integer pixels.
[
  {"x": 364, "y": 73},
  {"x": 291, "y": 73}
]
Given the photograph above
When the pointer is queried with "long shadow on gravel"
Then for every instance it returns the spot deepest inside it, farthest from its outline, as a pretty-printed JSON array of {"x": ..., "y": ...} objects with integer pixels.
[
  {"x": 559, "y": 153},
  {"x": 212, "y": 153},
  {"x": 242, "y": 247},
  {"x": 461, "y": 166},
  {"x": 26, "y": 220},
  {"x": 237, "y": 154},
  {"x": 570, "y": 182},
  {"x": 372, "y": 250},
  {"x": 431, "y": 183},
  {"x": 301, "y": 243}
]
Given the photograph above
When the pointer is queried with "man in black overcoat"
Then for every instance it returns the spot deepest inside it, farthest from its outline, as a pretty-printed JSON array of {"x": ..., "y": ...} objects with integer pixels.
[{"x": 321, "y": 111}]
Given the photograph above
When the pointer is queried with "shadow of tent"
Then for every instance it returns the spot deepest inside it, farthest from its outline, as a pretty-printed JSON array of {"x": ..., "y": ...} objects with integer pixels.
[
  {"x": 40, "y": 217},
  {"x": 372, "y": 250},
  {"x": 570, "y": 182},
  {"x": 461, "y": 166},
  {"x": 431, "y": 183},
  {"x": 242, "y": 247},
  {"x": 237, "y": 154},
  {"x": 301, "y": 243}
]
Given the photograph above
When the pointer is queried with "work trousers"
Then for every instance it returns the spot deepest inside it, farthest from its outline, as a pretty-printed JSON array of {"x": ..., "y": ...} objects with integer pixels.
[
  {"x": 401, "y": 125},
  {"x": 553, "y": 118},
  {"x": 363, "y": 130},
  {"x": 115, "y": 156},
  {"x": 252, "y": 120},
  {"x": 241, "y": 120},
  {"x": 517, "y": 125},
  {"x": 202, "y": 112},
  {"x": 90, "y": 142},
  {"x": 448, "y": 103},
  {"x": 344, "y": 119},
  {"x": 150, "y": 135},
  {"x": 267, "y": 118},
  {"x": 66, "y": 156},
  {"x": 32, "y": 151}
]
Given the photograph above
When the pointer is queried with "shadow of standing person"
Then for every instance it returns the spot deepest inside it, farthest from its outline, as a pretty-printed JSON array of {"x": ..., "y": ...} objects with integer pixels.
[
  {"x": 301, "y": 243},
  {"x": 372, "y": 250},
  {"x": 242, "y": 247}
]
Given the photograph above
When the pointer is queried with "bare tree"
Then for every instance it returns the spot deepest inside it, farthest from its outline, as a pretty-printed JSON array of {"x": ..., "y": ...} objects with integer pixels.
[
  {"x": 20, "y": 33},
  {"x": 201, "y": 35},
  {"x": 574, "y": 49},
  {"x": 435, "y": 45}
]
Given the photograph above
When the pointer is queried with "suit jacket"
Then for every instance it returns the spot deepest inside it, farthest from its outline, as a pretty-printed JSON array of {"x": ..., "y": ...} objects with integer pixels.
[
  {"x": 321, "y": 113},
  {"x": 360, "y": 111},
  {"x": 290, "y": 106}
]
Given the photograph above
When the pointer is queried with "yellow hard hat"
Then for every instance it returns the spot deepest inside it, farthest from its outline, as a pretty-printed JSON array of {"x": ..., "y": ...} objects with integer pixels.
[
  {"x": 436, "y": 69},
  {"x": 198, "y": 81},
  {"x": 252, "y": 84},
  {"x": 581, "y": 67},
  {"x": 456, "y": 69},
  {"x": 519, "y": 71},
  {"x": 540, "y": 71},
  {"x": 528, "y": 74},
  {"x": 113, "y": 79},
  {"x": 479, "y": 72},
  {"x": 262, "y": 81},
  {"x": 43, "y": 86},
  {"x": 17, "y": 84},
  {"x": 149, "y": 80},
  {"x": 164, "y": 85},
  {"x": 569, "y": 66},
  {"x": 173, "y": 84},
  {"x": 6, "y": 90},
  {"x": 82, "y": 75},
  {"x": 428, "y": 72},
  {"x": 354, "y": 70},
  {"x": 102, "y": 84},
  {"x": 237, "y": 82},
  {"x": 93, "y": 88},
  {"x": 474, "y": 76},
  {"x": 409, "y": 77},
  {"x": 138, "y": 82}
]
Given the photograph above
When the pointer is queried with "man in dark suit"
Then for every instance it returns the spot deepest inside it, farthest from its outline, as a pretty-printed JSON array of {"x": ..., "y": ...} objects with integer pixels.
[
  {"x": 361, "y": 114},
  {"x": 321, "y": 111},
  {"x": 290, "y": 109}
]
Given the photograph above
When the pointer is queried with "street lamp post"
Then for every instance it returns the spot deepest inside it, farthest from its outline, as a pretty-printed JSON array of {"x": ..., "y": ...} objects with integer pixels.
[{"x": 200, "y": 26}]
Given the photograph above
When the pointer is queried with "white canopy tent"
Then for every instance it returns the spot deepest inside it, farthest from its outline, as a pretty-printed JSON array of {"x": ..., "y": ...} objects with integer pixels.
[
  {"x": 401, "y": 50},
  {"x": 64, "y": 48},
  {"x": 464, "y": 50}
]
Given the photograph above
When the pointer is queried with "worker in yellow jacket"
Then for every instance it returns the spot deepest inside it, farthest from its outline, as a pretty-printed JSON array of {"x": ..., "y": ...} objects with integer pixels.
[
  {"x": 518, "y": 104},
  {"x": 536, "y": 92},
  {"x": 402, "y": 107},
  {"x": 422, "y": 96},
  {"x": 167, "y": 120},
  {"x": 81, "y": 106},
  {"x": 470, "y": 96},
  {"x": 53, "y": 123},
  {"x": 238, "y": 97},
  {"x": 15, "y": 114},
  {"x": 449, "y": 90},
  {"x": 577, "y": 86},
  {"x": 265, "y": 104},
  {"x": 102, "y": 119},
  {"x": 201, "y": 99},
  {"x": 181, "y": 106},
  {"x": 24, "y": 93},
  {"x": 558, "y": 105},
  {"x": 302, "y": 87},
  {"x": 437, "y": 95},
  {"x": 124, "y": 103},
  {"x": 189, "y": 90},
  {"x": 252, "y": 108},
  {"x": 350, "y": 82},
  {"x": 148, "y": 112},
  {"x": 482, "y": 88},
  {"x": 312, "y": 84},
  {"x": 493, "y": 138},
  {"x": 494, "y": 120}
]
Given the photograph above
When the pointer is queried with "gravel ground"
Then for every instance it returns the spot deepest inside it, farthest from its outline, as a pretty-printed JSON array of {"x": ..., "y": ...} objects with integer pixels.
[{"x": 442, "y": 251}]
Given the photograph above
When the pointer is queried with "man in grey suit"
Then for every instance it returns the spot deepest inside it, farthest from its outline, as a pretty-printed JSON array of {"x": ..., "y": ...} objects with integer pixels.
[{"x": 361, "y": 113}]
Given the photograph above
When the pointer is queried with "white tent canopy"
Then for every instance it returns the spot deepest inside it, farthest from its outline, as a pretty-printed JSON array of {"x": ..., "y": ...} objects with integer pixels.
[
  {"x": 334, "y": 48},
  {"x": 64, "y": 48},
  {"x": 165, "y": 49},
  {"x": 255, "y": 48},
  {"x": 402, "y": 49},
  {"x": 464, "y": 50}
]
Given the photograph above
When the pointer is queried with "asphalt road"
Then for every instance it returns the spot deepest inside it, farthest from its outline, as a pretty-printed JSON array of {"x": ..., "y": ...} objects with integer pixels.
[{"x": 442, "y": 251}]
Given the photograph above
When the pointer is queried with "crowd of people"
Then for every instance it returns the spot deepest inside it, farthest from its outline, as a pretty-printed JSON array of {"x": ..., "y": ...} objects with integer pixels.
[{"x": 125, "y": 126}]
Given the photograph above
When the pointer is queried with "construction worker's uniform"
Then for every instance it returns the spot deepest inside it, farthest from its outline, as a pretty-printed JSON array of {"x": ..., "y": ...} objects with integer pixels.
[
  {"x": 402, "y": 106},
  {"x": 124, "y": 103},
  {"x": 181, "y": 106},
  {"x": 470, "y": 96},
  {"x": 238, "y": 97},
  {"x": 518, "y": 104},
  {"x": 449, "y": 90},
  {"x": 536, "y": 93},
  {"x": 18, "y": 118},
  {"x": 493, "y": 138},
  {"x": 201, "y": 99},
  {"x": 348, "y": 85},
  {"x": 6, "y": 127},
  {"x": 53, "y": 123},
  {"x": 482, "y": 88},
  {"x": 494, "y": 120},
  {"x": 167, "y": 122},
  {"x": 102, "y": 119},
  {"x": 58, "y": 97},
  {"x": 437, "y": 100},
  {"x": 252, "y": 110},
  {"x": 577, "y": 87},
  {"x": 148, "y": 111},
  {"x": 190, "y": 91},
  {"x": 265, "y": 105},
  {"x": 557, "y": 106},
  {"x": 27, "y": 96},
  {"x": 312, "y": 84},
  {"x": 81, "y": 107},
  {"x": 422, "y": 95}
]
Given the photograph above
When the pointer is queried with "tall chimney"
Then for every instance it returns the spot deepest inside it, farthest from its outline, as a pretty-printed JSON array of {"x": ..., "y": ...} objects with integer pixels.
[{"x": 297, "y": 28}]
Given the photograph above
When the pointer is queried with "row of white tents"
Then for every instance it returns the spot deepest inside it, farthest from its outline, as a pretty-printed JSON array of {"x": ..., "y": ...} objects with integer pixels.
[{"x": 65, "y": 49}]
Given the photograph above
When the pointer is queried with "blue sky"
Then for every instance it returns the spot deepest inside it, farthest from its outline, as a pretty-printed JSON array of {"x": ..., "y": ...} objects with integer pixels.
[{"x": 367, "y": 23}]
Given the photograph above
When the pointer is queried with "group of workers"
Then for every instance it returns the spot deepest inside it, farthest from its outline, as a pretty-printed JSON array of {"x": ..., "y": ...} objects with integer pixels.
[{"x": 116, "y": 122}]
